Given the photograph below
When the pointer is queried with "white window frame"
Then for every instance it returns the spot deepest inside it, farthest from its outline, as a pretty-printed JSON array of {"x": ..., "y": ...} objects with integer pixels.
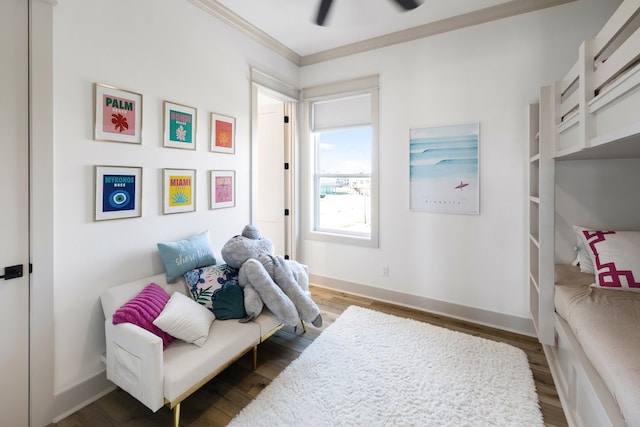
[{"x": 368, "y": 85}]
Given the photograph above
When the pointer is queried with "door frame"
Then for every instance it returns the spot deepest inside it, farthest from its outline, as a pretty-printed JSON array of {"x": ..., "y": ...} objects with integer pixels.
[
  {"x": 262, "y": 83},
  {"x": 43, "y": 402}
]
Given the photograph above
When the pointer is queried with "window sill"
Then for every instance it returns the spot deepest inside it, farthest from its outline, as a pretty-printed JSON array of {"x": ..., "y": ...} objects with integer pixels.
[{"x": 345, "y": 239}]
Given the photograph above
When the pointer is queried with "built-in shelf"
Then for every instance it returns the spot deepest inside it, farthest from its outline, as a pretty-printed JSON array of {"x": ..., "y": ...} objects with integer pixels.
[
  {"x": 534, "y": 281},
  {"x": 535, "y": 240},
  {"x": 541, "y": 183}
]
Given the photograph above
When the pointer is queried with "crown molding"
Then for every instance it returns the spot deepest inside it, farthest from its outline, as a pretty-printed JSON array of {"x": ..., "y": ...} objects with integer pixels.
[
  {"x": 493, "y": 13},
  {"x": 488, "y": 14},
  {"x": 230, "y": 18}
]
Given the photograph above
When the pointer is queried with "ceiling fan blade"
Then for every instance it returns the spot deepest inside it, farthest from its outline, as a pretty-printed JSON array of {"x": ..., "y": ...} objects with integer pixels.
[
  {"x": 322, "y": 11},
  {"x": 408, "y": 4}
]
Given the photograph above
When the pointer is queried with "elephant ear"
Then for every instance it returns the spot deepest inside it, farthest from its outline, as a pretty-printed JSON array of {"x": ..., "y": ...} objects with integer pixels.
[{"x": 236, "y": 251}]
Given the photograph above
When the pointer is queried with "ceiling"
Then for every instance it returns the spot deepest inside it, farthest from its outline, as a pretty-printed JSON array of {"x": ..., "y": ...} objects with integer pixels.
[{"x": 356, "y": 25}]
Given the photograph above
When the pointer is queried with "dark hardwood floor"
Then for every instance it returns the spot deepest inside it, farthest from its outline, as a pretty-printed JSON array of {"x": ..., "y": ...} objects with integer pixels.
[{"x": 222, "y": 398}]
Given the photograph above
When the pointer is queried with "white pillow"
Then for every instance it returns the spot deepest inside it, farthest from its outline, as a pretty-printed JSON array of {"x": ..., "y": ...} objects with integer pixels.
[
  {"x": 584, "y": 254},
  {"x": 185, "y": 319},
  {"x": 616, "y": 256}
]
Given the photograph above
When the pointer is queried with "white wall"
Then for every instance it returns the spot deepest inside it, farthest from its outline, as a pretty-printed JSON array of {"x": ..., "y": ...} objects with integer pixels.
[
  {"x": 486, "y": 74},
  {"x": 602, "y": 194},
  {"x": 166, "y": 50}
]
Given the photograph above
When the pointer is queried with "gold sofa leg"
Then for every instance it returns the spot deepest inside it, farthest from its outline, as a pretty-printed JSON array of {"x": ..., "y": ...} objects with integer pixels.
[
  {"x": 176, "y": 416},
  {"x": 255, "y": 357}
]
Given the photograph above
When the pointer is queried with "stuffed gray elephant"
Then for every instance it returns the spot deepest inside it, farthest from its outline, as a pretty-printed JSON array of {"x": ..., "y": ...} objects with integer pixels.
[{"x": 282, "y": 285}]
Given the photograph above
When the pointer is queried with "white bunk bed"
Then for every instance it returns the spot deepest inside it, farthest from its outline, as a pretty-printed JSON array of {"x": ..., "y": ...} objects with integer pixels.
[
  {"x": 593, "y": 113},
  {"x": 596, "y": 103}
]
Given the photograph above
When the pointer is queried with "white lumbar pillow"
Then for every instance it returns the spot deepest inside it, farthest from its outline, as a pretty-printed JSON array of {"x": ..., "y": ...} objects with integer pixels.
[
  {"x": 185, "y": 319},
  {"x": 584, "y": 255}
]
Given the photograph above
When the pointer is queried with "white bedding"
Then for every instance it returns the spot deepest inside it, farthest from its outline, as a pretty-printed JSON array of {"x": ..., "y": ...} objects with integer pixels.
[{"x": 607, "y": 325}]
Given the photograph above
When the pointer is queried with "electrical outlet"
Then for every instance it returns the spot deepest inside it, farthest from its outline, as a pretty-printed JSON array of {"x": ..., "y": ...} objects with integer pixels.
[{"x": 385, "y": 271}]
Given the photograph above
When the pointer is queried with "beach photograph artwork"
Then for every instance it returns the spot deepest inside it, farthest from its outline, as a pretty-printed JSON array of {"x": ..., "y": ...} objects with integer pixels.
[{"x": 444, "y": 169}]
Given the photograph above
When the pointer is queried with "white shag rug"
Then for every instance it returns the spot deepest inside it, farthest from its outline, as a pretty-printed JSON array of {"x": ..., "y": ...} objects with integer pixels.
[{"x": 375, "y": 369}]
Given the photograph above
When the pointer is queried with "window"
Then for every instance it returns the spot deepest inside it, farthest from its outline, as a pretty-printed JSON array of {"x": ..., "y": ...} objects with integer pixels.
[
  {"x": 342, "y": 181},
  {"x": 342, "y": 176}
]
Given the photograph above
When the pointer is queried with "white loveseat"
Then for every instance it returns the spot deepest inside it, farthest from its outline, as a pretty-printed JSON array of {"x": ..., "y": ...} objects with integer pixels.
[{"x": 137, "y": 363}]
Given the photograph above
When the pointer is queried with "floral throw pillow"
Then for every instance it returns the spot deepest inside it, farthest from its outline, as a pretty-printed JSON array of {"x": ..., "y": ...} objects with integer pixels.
[{"x": 203, "y": 283}]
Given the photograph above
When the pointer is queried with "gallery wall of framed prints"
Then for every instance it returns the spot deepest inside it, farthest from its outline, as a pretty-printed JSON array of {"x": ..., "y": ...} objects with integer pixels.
[{"x": 118, "y": 115}]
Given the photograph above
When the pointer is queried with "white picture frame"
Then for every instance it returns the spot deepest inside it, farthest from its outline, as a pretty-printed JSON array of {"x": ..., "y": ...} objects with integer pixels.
[
  {"x": 117, "y": 114},
  {"x": 222, "y": 186},
  {"x": 179, "y": 190},
  {"x": 118, "y": 192},
  {"x": 444, "y": 169}
]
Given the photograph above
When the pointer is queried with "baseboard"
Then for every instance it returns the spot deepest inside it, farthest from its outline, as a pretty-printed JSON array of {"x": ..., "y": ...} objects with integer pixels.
[
  {"x": 507, "y": 322},
  {"x": 77, "y": 397}
]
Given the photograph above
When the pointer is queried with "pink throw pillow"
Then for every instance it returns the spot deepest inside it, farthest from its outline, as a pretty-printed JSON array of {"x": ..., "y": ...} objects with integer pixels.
[
  {"x": 616, "y": 256},
  {"x": 143, "y": 309}
]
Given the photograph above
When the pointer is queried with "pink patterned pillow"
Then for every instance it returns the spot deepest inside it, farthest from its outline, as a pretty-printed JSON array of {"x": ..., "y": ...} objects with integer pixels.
[
  {"x": 143, "y": 309},
  {"x": 616, "y": 258}
]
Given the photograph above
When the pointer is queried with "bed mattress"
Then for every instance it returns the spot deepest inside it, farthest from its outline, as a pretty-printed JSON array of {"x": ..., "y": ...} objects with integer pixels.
[{"x": 607, "y": 325}]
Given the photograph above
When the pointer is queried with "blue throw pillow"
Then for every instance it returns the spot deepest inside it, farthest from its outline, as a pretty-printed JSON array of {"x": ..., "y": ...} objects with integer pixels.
[{"x": 184, "y": 255}]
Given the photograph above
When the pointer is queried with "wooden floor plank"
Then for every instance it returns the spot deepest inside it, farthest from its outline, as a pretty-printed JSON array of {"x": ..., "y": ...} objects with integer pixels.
[{"x": 222, "y": 398}]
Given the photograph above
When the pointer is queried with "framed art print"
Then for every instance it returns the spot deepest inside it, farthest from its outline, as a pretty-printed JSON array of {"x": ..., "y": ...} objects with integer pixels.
[
  {"x": 223, "y": 130},
  {"x": 444, "y": 169},
  {"x": 179, "y": 190},
  {"x": 117, "y": 115},
  {"x": 223, "y": 189},
  {"x": 118, "y": 192},
  {"x": 179, "y": 126}
]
